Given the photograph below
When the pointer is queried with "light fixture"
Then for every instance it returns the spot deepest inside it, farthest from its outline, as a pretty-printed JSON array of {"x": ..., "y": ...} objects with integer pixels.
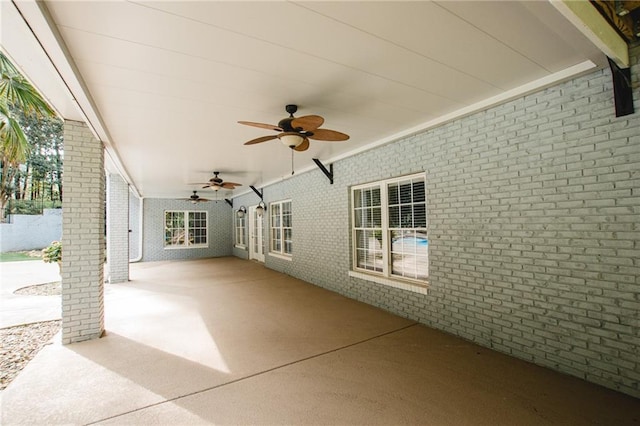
[
  {"x": 291, "y": 139},
  {"x": 262, "y": 207},
  {"x": 241, "y": 211}
]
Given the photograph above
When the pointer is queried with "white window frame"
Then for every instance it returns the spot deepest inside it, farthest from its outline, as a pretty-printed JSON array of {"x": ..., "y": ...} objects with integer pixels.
[
  {"x": 277, "y": 223},
  {"x": 384, "y": 273},
  {"x": 186, "y": 244},
  {"x": 240, "y": 231}
]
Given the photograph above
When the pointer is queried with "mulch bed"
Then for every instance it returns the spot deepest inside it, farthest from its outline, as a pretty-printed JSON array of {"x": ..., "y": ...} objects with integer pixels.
[
  {"x": 48, "y": 289},
  {"x": 20, "y": 344}
]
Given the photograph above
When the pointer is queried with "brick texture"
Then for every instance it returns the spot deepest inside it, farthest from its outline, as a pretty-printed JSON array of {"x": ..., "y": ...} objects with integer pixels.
[
  {"x": 82, "y": 235},
  {"x": 220, "y": 235},
  {"x": 134, "y": 225},
  {"x": 534, "y": 233},
  {"x": 117, "y": 229}
]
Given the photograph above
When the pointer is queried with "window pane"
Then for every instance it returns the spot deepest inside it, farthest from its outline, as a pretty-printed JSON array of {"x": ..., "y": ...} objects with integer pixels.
[
  {"x": 286, "y": 219},
  {"x": 418, "y": 192},
  {"x": 393, "y": 196},
  {"x": 357, "y": 198},
  {"x": 376, "y": 218},
  {"x": 405, "y": 193},
  {"x": 368, "y": 222},
  {"x": 276, "y": 215},
  {"x": 375, "y": 197},
  {"x": 366, "y": 198},
  {"x": 357, "y": 218},
  {"x": 369, "y": 250},
  {"x": 420, "y": 216},
  {"x": 406, "y": 216},
  {"x": 394, "y": 217},
  {"x": 409, "y": 254}
]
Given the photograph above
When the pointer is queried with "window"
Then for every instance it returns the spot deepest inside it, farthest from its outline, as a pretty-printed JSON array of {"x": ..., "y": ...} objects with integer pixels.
[
  {"x": 185, "y": 229},
  {"x": 390, "y": 228},
  {"x": 241, "y": 235},
  {"x": 280, "y": 228}
]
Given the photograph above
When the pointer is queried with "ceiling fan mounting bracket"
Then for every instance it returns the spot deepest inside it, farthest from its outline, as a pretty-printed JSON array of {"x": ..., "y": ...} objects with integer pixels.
[{"x": 291, "y": 109}]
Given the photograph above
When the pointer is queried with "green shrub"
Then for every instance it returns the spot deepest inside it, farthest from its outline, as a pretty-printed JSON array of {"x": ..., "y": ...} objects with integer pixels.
[{"x": 53, "y": 253}]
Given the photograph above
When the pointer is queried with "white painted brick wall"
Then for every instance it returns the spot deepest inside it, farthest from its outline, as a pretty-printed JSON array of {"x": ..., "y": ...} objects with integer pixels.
[
  {"x": 117, "y": 229},
  {"x": 83, "y": 242},
  {"x": 220, "y": 233},
  {"x": 246, "y": 200},
  {"x": 533, "y": 220},
  {"x": 134, "y": 225}
]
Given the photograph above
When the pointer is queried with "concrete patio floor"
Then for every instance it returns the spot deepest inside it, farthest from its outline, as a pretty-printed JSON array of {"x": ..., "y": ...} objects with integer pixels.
[
  {"x": 21, "y": 309},
  {"x": 227, "y": 341}
]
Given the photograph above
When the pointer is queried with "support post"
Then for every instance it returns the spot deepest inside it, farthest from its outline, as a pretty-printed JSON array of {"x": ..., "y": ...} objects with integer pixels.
[
  {"x": 83, "y": 227},
  {"x": 117, "y": 229}
]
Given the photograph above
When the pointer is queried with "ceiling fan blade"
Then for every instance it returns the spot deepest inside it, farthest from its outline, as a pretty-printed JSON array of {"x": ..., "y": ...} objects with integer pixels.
[
  {"x": 260, "y": 140},
  {"x": 303, "y": 146},
  {"x": 261, "y": 125},
  {"x": 230, "y": 185},
  {"x": 307, "y": 123},
  {"x": 328, "y": 135},
  {"x": 202, "y": 200}
]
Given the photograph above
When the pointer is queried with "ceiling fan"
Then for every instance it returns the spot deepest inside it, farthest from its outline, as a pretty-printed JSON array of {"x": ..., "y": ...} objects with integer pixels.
[
  {"x": 216, "y": 183},
  {"x": 296, "y": 132},
  {"x": 195, "y": 198}
]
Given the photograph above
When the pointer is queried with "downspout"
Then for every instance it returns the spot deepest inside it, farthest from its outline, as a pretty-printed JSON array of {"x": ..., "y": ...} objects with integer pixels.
[{"x": 141, "y": 222}]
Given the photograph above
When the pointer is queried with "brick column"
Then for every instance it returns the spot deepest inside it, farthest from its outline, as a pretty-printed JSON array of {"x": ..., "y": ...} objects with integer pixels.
[
  {"x": 117, "y": 229},
  {"x": 83, "y": 213}
]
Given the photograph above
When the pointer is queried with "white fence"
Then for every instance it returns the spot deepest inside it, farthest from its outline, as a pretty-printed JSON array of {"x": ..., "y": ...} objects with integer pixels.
[{"x": 31, "y": 232}]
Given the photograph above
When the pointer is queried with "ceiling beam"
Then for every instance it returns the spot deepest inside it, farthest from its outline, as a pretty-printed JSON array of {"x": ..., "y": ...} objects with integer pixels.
[{"x": 586, "y": 18}]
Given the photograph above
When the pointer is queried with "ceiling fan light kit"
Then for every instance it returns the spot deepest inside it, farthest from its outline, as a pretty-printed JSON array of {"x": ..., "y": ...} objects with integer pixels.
[{"x": 291, "y": 139}]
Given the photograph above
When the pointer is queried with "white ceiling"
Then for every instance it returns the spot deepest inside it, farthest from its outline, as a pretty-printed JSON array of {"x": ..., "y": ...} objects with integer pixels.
[{"x": 164, "y": 83}]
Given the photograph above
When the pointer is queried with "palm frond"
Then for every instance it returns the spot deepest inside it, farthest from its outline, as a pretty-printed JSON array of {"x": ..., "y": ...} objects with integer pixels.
[
  {"x": 14, "y": 146},
  {"x": 6, "y": 67},
  {"x": 17, "y": 91}
]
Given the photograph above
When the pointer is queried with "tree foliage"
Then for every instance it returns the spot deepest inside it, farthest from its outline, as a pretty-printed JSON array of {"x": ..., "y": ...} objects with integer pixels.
[
  {"x": 17, "y": 98},
  {"x": 40, "y": 176}
]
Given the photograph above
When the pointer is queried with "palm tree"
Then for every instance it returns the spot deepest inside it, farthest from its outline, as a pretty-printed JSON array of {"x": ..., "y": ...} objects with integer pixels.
[{"x": 15, "y": 92}]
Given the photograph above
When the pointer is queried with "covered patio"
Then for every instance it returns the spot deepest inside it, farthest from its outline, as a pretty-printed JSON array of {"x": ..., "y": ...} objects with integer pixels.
[{"x": 229, "y": 341}]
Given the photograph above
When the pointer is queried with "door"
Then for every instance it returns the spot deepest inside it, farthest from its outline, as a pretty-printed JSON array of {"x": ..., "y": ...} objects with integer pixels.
[{"x": 256, "y": 246}]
